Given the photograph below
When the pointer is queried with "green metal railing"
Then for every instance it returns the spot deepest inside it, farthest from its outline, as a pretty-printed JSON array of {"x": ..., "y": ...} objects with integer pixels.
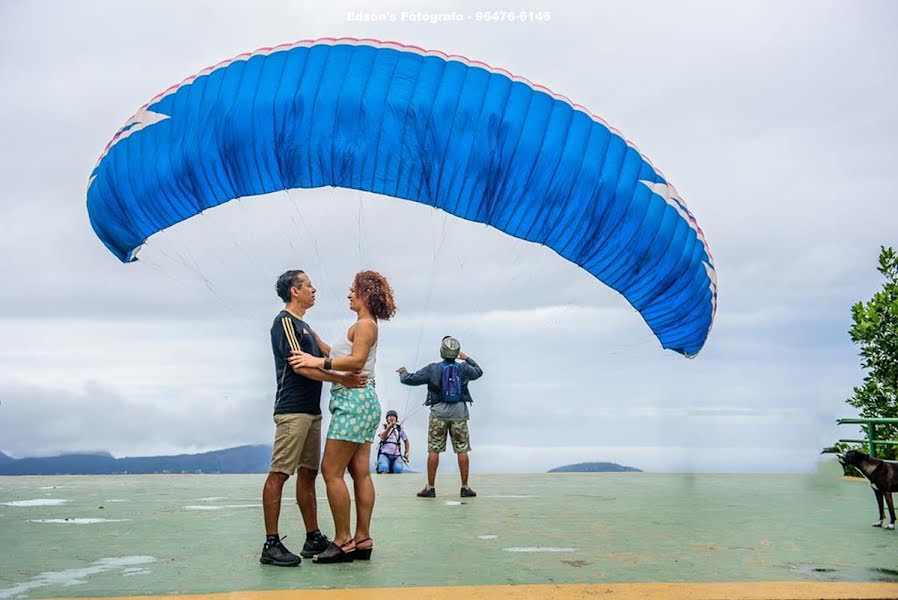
[{"x": 870, "y": 426}]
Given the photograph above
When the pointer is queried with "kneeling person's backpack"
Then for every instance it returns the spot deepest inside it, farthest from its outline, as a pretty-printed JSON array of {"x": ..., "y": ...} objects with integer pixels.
[{"x": 450, "y": 383}]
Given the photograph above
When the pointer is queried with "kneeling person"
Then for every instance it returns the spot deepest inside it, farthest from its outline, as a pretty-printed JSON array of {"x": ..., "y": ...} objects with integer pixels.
[{"x": 389, "y": 458}]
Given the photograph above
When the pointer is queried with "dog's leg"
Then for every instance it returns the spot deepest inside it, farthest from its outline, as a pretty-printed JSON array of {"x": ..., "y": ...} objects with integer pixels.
[
  {"x": 891, "y": 503},
  {"x": 882, "y": 516}
]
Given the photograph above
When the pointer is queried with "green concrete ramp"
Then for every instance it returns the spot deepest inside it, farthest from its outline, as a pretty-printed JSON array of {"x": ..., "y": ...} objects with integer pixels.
[{"x": 201, "y": 534}]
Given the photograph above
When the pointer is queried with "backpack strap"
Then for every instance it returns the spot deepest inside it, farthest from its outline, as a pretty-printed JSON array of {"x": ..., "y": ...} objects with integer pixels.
[{"x": 398, "y": 439}]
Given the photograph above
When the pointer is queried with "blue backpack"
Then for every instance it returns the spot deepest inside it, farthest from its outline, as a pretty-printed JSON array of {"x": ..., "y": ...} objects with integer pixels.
[{"x": 450, "y": 383}]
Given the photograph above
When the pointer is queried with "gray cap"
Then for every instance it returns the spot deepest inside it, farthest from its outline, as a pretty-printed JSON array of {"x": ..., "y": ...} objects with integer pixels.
[{"x": 450, "y": 348}]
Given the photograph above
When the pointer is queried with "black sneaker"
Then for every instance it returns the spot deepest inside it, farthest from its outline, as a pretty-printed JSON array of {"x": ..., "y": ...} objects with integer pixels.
[
  {"x": 428, "y": 493},
  {"x": 278, "y": 555},
  {"x": 316, "y": 545},
  {"x": 467, "y": 492}
]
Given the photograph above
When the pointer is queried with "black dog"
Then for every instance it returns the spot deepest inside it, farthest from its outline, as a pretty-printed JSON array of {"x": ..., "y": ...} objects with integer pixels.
[{"x": 883, "y": 478}]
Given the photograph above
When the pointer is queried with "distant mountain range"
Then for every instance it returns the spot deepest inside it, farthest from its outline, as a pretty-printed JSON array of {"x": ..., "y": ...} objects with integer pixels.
[
  {"x": 595, "y": 467},
  {"x": 241, "y": 459}
]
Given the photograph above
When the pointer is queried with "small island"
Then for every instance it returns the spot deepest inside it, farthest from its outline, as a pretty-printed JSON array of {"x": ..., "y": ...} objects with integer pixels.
[{"x": 595, "y": 467}]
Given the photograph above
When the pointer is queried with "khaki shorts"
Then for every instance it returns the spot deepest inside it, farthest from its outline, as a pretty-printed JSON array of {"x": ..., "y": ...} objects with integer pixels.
[
  {"x": 457, "y": 430},
  {"x": 297, "y": 443}
]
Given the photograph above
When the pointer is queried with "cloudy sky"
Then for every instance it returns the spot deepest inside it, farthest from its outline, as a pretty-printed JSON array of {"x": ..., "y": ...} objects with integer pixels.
[{"x": 776, "y": 122}]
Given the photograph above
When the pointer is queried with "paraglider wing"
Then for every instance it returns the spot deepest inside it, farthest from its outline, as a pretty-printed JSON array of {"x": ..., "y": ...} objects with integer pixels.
[{"x": 441, "y": 130}]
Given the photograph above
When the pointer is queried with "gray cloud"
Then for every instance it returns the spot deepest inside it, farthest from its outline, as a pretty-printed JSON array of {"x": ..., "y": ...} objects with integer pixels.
[{"x": 44, "y": 421}]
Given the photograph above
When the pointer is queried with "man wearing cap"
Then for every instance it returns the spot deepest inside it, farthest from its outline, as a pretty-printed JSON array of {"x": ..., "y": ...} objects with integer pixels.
[
  {"x": 389, "y": 457},
  {"x": 448, "y": 398}
]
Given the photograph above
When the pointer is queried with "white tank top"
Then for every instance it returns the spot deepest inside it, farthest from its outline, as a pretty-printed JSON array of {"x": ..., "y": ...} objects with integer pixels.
[{"x": 343, "y": 347}]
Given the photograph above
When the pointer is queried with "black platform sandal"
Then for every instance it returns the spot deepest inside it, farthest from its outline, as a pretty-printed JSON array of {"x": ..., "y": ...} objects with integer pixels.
[
  {"x": 335, "y": 554},
  {"x": 362, "y": 553}
]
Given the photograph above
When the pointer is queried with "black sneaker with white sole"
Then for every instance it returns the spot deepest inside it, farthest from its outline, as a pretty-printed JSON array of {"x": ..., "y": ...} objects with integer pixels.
[
  {"x": 467, "y": 492},
  {"x": 277, "y": 554},
  {"x": 316, "y": 545}
]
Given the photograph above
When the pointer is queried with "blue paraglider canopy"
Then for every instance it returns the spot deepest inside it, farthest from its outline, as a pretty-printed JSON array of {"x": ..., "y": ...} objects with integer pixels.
[{"x": 455, "y": 134}]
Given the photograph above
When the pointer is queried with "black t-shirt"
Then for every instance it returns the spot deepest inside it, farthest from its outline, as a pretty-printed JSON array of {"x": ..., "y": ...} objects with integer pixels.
[{"x": 295, "y": 393}]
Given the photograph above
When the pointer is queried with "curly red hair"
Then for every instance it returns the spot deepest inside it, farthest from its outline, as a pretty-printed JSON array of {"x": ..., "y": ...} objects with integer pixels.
[{"x": 375, "y": 291}]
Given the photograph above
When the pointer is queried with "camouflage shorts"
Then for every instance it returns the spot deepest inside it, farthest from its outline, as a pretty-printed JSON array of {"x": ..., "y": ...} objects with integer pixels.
[{"x": 457, "y": 430}]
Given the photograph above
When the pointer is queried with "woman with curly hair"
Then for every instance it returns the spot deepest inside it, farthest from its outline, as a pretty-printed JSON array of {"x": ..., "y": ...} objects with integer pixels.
[{"x": 355, "y": 415}]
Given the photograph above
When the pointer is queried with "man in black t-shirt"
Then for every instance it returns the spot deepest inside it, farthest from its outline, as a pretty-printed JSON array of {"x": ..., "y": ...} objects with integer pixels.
[{"x": 297, "y": 416}]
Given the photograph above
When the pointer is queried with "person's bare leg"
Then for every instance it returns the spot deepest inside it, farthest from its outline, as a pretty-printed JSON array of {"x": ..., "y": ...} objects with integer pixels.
[
  {"x": 272, "y": 492},
  {"x": 364, "y": 492},
  {"x": 433, "y": 461},
  {"x": 306, "y": 499},
  {"x": 463, "y": 464},
  {"x": 337, "y": 454}
]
